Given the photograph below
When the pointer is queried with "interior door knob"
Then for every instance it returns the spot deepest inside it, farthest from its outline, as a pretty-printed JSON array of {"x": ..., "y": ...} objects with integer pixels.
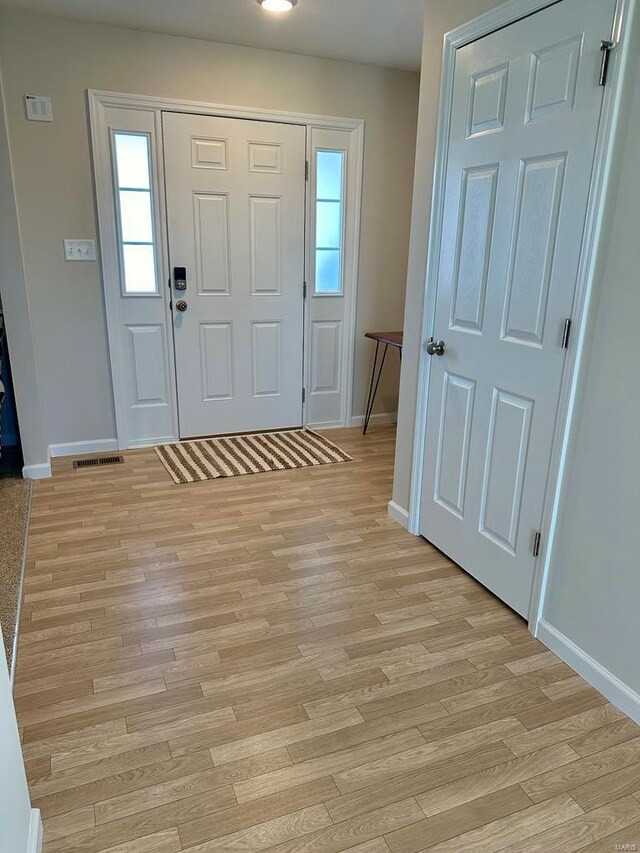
[
  {"x": 181, "y": 305},
  {"x": 435, "y": 347}
]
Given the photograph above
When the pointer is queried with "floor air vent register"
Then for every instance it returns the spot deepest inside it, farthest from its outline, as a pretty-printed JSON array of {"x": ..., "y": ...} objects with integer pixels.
[{"x": 94, "y": 461}]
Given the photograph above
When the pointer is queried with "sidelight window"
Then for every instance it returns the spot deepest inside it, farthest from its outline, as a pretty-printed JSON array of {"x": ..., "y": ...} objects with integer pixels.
[
  {"x": 135, "y": 213},
  {"x": 329, "y": 210}
]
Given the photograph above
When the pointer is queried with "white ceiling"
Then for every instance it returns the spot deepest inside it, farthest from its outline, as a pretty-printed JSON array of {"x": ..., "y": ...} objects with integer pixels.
[{"x": 380, "y": 32}]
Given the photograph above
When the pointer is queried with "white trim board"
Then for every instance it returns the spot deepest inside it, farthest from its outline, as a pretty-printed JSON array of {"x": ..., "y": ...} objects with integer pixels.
[
  {"x": 153, "y": 442},
  {"x": 616, "y": 691},
  {"x": 376, "y": 420},
  {"x": 100, "y": 101},
  {"x": 36, "y": 834},
  {"x": 37, "y": 472},
  {"x": 397, "y": 513},
  {"x": 23, "y": 563},
  {"x": 356, "y": 421},
  {"x": 78, "y": 448},
  {"x": 505, "y": 14},
  {"x": 151, "y": 102}
]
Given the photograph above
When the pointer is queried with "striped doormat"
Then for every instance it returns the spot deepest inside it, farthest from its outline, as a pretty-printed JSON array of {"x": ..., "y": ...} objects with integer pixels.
[{"x": 210, "y": 458}]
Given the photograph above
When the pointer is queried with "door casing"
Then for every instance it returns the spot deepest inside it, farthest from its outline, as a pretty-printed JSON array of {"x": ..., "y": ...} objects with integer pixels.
[
  {"x": 504, "y": 15},
  {"x": 98, "y": 103}
]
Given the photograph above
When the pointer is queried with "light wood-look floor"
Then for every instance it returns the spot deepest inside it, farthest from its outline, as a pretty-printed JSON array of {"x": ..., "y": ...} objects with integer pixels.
[{"x": 270, "y": 663}]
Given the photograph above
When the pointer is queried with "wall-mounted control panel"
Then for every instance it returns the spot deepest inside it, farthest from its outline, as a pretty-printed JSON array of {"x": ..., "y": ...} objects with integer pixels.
[{"x": 180, "y": 278}]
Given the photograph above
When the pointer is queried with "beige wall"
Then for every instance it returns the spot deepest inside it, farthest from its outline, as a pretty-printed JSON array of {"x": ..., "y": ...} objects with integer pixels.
[
  {"x": 63, "y": 58},
  {"x": 440, "y": 18}
]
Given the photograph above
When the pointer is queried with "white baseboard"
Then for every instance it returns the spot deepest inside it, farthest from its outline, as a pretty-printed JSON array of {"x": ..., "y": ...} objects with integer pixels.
[
  {"x": 78, "y": 448},
  {"x": 397, "y": 513},
  {"x": 70, "y": 448},
  {"x": 141, "y": 443},
  {"x": 616, "y": 691},
  {"x": 328, "y": 425},
  {"x": 376, "y": 420},
  {"x": 35, "y": 832},
  {"x": 37, "y": 472}
]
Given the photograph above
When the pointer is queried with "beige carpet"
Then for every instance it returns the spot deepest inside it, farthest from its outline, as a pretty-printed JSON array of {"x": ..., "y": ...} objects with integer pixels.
[
  {"x": 14, "y": 509},
  {"x": 254, "y": 453}
]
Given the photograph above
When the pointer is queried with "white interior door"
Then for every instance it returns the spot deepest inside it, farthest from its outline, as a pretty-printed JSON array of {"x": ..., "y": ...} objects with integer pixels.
[
  {"x": 524, "y": 123},
  {"x": 236, "y": 213}
]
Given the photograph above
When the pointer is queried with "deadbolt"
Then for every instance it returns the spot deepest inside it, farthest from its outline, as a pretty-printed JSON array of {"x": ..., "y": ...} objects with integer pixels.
[
  {"x": 435, "y": 347},
  {"x": 180, "y": 278},
  {"x": 181, "y": 305}
]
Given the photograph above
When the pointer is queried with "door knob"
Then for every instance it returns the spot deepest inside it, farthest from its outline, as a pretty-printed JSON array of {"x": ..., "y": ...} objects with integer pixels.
[
  {"x": 181, "y": 305},
  {"x": 435, "y": 347}
]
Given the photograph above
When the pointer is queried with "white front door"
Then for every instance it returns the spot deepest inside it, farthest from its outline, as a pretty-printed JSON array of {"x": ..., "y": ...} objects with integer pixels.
[
  {"x": 236, "y": 214},
  {"x": 524, "y": 124}
]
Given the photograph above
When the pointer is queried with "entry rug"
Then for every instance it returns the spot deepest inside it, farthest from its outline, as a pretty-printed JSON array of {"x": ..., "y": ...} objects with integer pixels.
[{"x": 230, "y": 456}]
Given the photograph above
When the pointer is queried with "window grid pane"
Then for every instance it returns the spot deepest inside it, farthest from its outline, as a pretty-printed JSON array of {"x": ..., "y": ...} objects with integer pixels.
[
  {"x": 135, "y": 213},
  {"x": 139, "y": 268},
  {"x": 132, "y": 160},
  {"x": 328, "y": 225},
  {"x": 329, "y": 222},
  {"x": 328, "y": 271},
  {"x": 329, "y": 175},
  {"x": 135, "y": 216}
]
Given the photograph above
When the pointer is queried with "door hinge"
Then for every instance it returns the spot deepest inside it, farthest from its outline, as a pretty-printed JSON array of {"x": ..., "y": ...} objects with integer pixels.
[
  {"x": 606, "y": 46},
  {"x": 306, "y": 170},
  {"x": 304, "y": 395},
  {"x": 304, "y": 289},
  {"x": 566, "y": 332},
  {"x": 537, "y": 539}
]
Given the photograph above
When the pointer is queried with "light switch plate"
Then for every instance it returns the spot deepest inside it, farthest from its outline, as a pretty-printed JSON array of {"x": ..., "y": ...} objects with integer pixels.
[
  {"x": 38, "y": 107},
  {"x": 80, "y": 250}
]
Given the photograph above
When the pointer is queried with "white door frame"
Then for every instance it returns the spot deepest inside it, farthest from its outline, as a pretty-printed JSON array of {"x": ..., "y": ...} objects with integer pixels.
[
  {"x": 100, "y": 101},
  {"x": 508, "y": 13}
]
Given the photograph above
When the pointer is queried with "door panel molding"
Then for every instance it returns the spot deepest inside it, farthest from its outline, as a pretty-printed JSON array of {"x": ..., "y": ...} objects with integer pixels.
[
  {"x": 475, "y": 229},
  {"x": 144, "y": 113},
  {"x": 453, "y": 444},
  {"x": 508, "y": 13},
  {"x": 540, "y": 188},
  {"x": 507, "y": 447},
  {"x": 266, "y": 351},
  {"x": 266, "y": 234},
  {"x": 216, "y": 368},
  {"x": 148, "y": 351},
  {"x": 213, "y": 264}
]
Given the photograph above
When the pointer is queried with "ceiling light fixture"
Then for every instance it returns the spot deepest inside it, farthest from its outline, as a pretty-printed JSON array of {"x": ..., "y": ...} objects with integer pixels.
[{"x": 277, "y": 5}]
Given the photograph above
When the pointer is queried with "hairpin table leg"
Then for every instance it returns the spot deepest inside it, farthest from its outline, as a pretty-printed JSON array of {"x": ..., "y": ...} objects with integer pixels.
[{"x": 373, "y": 387}]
